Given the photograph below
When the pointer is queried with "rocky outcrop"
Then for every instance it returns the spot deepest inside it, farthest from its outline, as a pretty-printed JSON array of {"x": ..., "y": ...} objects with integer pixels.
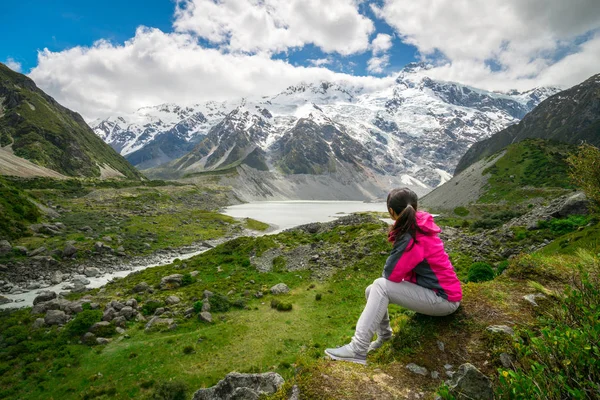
[
  {"x": 242, "y": 387},
  {"x": 171, "y": 281},
  {"x": 468, "y": 383}
]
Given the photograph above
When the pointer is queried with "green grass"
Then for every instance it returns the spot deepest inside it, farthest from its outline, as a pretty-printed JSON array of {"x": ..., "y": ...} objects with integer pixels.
[
  {"x": 529, "y": 169},
  {"x": 16, "y": 211},
  {"x": 255, "y": 225},
  {"x": 587, "y": 238}
]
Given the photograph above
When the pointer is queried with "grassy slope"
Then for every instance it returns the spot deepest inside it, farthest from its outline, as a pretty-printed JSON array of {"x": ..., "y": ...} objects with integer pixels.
[
  {"x": 50, "y": 135},
  {"x": 16, "y": 211}
]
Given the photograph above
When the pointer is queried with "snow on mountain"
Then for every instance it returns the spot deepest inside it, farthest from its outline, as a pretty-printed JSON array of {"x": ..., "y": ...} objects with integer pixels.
[{"x": 416, "y": 129}]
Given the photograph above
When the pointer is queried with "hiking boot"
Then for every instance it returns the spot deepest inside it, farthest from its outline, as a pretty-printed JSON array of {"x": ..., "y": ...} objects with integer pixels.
[
  {"x": 345, "y": 353},
  {"x": 375, "y": 344}
]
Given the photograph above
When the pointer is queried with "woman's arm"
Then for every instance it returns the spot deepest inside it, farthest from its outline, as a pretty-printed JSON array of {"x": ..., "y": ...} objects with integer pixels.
[{"x": 403, "y": 258}]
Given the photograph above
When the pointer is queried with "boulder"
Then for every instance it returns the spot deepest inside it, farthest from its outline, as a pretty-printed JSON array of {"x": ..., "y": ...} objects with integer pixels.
[
  {"x": 172, "y": 300},
  {"x": 205, "y": 305},
  {"x": 241, "y": 387},
  {"x": 39, "y": 323},
  {"x": 280, "y": 288},
  {"x": 160, "y": 323},
  {"x": 140, "y": 287},
  {"x": 57, "y": 304},
  {"x": 44, "y": 296},
  {"x": 5, "y": 300},
  {"x": 56, "y": 317},
  {"x": 171, "y": 281},
  {"x": 56, "y": 278},
  {"x": 92, "y": 272},
  {"x": 577, "y": 204},
  {"x": 37, "y": 251},
  {"x": 126, "y": 312},
  {"x": 415, "y": 369},
  {"x": 506, "y": 360},
  {"x": 5, "y": 247},
  {"x": 205, "y": 316},
  {"x": 69, "y": 250},
  {"x": 120, "y": 321},
  {"x": 207, "y": 294},
  {"x": 469, "y": 383},
  {"x": 117, "y": 305},
  {"x": 109, "y": 314},
  {"x": 102, "y": 341},
  {"x": 80, "y": 279}
]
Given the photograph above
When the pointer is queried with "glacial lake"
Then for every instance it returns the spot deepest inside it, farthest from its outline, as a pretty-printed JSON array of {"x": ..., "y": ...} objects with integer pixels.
[
  {"x": 288, "y": 214},
  {"x": 280, "y": 214}
]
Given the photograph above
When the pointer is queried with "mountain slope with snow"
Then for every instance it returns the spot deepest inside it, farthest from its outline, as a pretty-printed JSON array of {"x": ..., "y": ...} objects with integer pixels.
[{"x": 417, "y": 127}]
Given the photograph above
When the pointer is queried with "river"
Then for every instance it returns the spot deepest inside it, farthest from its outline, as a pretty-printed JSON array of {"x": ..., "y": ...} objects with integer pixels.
[{"x": 280, "y": 215}]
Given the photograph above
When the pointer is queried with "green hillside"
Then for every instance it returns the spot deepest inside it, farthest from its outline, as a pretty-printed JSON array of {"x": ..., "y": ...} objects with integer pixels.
[{"x": 48, "y": 134}]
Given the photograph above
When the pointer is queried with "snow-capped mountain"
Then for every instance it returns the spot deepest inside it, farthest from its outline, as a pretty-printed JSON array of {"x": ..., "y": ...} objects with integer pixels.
[{"x": 416, "y": 129}]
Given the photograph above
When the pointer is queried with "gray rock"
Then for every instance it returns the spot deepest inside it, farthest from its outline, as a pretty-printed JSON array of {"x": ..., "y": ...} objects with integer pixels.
[
  {"x": 205, "y": 316},
  {"x": 205, "y": 305},
  {"x": 159, "y": 311},
  {"x": 117, "y": 305},
  {"x": 132, "y": 303},
  {"x": 57, "y": 277},
  {"x": 80, "y": 279},
  {"x": 56, "y": 317},
  {"x": 120, "y": 321},
  {"x": 92, "y": 272},
  {"x": 172, "y": 300},
  {"x": 207, "y": 294},
  {"x": 194, "y": 273},
  {"x": 506, "y": 360},
  {"x": 171, "y": 281},
  {"x": 236, "y": 386},
  {"x": 102, "y": 341},
  {"x": 86, "y": 229},
  {"x": 141, "y": 287},
  {"x": 100, "y": 247},
  {"x": 5, "y": 300},
  {"x": 109, "y": 314},
  {"x": 501, "y": 329},
  {"x": 577, "y": 204},
  {"x": 435, "y": 374},
  {"x": 120, "y": 330},
  {"x": 99, "y": 326},
  {"x": 530, "y": 298},
  {"x": 469, "y": 383},
  {"x": 88, "y": 338},
  {"x": 44, "y": 296},
  {"x": 57, "y": 304},
  {"x": 39, "y": 323},
  {"x": 107, "y": 239},
  {"x": 440, "y": 345},
  {"x": 5, "y": 247},
  {"x": 280, "y": 288},
  {"x": 69, "y": 250},
  {"x": 295, "y": 393},
  {"x": 159, "y": 323},
  {"x": 126, "y": 312},
  {"x": 37, "y": 251},
  {"x": 414, "y": 368}
]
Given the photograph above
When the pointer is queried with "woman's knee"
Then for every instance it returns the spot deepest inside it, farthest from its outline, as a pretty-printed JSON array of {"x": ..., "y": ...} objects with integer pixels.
[{"x": 367, "y": 291}]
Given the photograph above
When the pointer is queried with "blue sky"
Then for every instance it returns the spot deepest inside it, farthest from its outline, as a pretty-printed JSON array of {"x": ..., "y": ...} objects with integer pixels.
[
  {"x": 115, "y": 56},
  {"x": 62, "y": 24}
]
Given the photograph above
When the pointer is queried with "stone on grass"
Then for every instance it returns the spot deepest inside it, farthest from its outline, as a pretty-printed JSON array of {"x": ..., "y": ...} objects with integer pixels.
[
  {"x": 56, "y": 317},
  {"x": 132, "y": 303},
  {"x": 414, "y": 368},
  {"x": 157, "y": 323},
  {"x": 577, "y": 204},
  {"x": 469, "y": 383},
  {"x": 99, "y": 326},
  {"x": 69, "y": 250},
  {"x": 506, "y": 360},
  {"x": 44, "y": 296},
  {"x": 37, "y": 252},
  {"x": 172, "y": 300},
  {"x": 207, "y": 294},
  {"x": 120, "y": 330},
  {"x": 242, "y": 387},
  {"x": 88, "y": 338},
  {"x": 57, "y": 277},
  {"x": 39, "y": 323},
  {"x": 126, "y": 312},
  {"x": 109, "y": 314},
  {"x": 171, "y": 281},
  {"x": 205, "y": 316},
  {"x": 501, "y": 329},
  {"x": 140, "y": 287},
  {"x": 280, "y": 288},
  {"x": 5, "y": 247},
  {"x": 102, "y": 341},
  {"x": 120, "y": 321}
]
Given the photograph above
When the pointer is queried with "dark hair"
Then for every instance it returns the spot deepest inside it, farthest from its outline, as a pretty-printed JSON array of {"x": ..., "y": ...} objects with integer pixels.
[{"x": 404, "y": 203}]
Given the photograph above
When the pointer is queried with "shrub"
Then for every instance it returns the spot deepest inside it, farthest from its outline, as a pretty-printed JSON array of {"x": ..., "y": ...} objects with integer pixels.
[
  {"x": 318, "y": 297},
  {"x": 275, "y": 303},
  {"x": 284, "y": 306},
  {"x": 480, "y": 272},
  {"x": 461, "y": 211},
  {"x": 501, "y": 267},
  {"x": 219, "y": 303},
  {"x": 187, "y": 279},
  {"x": 279, "y": 264},
  {"x": 239, "y": 303},
  {"x": 198, "y": 306},
  {"x": 561, "y": 360},
  {"x": 565, "y": 225},
  {"x": 170, "y": 391},
  {"x": 584, "y": 171},
  {"x": 150, "y": 307},
  {"x": 188, "y": 350},
  {"x": 83, "y": 322}
]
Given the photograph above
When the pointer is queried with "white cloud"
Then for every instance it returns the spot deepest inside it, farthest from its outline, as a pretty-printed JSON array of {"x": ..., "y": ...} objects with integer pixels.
[
  {"x": 381, "y": 44},
  {"x": 155, "y": 67},
  {"x": 320, "y": 61},
  {"x": 276, "y": 25},
  {"x": 376, "y": 65},
  {"x": 12, "y": 64},
  {"x": 523, "y": 39}
]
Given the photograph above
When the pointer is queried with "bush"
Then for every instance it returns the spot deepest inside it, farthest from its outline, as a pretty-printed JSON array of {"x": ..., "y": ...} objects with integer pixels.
[
  {"x": 480, "y": 272},
  {"x": 170, "y": 391},
  {"x": 219, "y": 303},
  {"x": 239, "y": 303},
  {"x": 501, "y": 267},
  {"x": 83, "y": 322},
  {"x": 279, "y": 264},
  {"x": 562, "y": 359},
  {"x": 198, "y": 306},
  {"x": 150, "y": 307},
  {"x": 187, "y": 279},
  {"x": 188, "y": 350},
  {"x": 275, "y": 303},
  {"x": 318, "y": 297},
  {"x": 584, "y": 171},
  {"x": 564, "y": 226},
  {"x": 461, "y": 211},
  {"x": 284, "y": 306}
]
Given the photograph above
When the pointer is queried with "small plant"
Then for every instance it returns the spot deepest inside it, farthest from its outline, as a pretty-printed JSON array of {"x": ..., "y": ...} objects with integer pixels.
[
  {"x": 83, "y": 322},
  {"x": 318, "y": 297},
  {"x": 198, "y": 306},
  {"x": 170, "y": 391},
  {"x": 239, "y": 303},
  {"x": 219, "y": 303},
  {"x": 279, "y": 264},
  {"x": 284, "y": 306},
  {"x": 147, "y": 384},
  {"x": 150, "y": 307},
  {"x": 585, "y": 171},
  {"x": 501, "y": 267},
  {"x": 187, "y": 279},
  {"x": 275, "y": 303},
  {"x": 480, "y": 272},
  {"x": 461, "y": 211},
  {"x": 188, "y": 350}
]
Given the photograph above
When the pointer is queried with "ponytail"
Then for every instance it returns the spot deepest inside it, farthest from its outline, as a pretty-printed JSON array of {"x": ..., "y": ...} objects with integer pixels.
[{"x": 405, "y": 202}]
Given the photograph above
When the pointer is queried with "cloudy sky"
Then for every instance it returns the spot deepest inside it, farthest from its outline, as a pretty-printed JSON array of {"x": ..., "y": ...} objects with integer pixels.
[{"x": 114, "y": 56}]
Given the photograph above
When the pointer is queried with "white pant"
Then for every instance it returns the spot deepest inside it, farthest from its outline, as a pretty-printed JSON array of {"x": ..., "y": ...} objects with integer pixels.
[{"x": 375, "y": 317}]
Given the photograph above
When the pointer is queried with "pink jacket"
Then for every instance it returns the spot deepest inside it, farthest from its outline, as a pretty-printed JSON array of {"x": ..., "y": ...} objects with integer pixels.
[{"x": 426, "y": 263}]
